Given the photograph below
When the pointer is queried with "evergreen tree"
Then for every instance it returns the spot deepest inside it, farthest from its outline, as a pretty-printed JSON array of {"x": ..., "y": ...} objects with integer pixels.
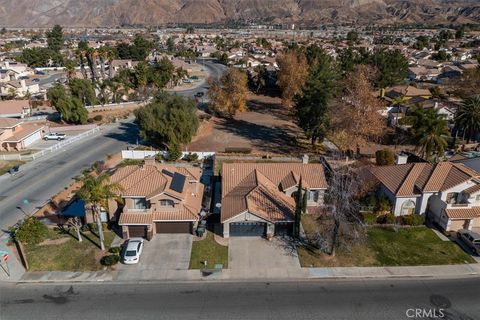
[
  {"x": 312, "y": 104},
  {"x": 55, "y": 38}
]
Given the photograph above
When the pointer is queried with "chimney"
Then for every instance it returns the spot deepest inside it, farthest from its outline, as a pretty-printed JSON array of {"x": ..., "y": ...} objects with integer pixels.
[
  {"x": 7, "y": 64},
  {"x": 23, "y": 83},
  {"x": 402, "y": 158},
  {"x": 305, "y": 159},
  {"x": 150, "y": 161}
]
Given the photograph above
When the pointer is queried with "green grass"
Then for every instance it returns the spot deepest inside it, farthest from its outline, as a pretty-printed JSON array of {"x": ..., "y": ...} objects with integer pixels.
[
  {"x": 412, "y": 247},
  {"x": 68, "y": 255},
  {"x": 208, "y": 249},
  {"x": 384, "y": 247},
  {"x": 7, "y": 165}
]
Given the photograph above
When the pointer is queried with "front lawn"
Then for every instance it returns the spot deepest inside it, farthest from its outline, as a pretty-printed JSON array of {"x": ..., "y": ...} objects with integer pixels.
[
  {"x": 414, "y": 246},
  {"x": 208, "y": 250},
  {"x": 64, "y": 253},
  {"x": 385, "y": 247}
]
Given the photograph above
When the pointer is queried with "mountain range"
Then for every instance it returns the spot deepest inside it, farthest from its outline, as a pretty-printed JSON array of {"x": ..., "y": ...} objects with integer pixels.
[{"x": 111, "y": 13}]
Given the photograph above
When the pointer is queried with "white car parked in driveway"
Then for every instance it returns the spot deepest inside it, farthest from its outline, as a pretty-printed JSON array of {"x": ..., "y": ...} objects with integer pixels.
[
  {"x": 133, "y": 250},
  {"x": 54, "y": 136}
]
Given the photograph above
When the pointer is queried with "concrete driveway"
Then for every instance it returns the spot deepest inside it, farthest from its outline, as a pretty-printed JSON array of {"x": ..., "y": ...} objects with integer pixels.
[
  {"x": 255, "y": 253},
  {"x": 165, "y": 252}
]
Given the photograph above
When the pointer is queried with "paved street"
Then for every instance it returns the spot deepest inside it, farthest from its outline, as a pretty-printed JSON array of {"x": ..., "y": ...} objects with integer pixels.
[
  {"x": 457, "y": 299},
  {"x": 41, "y": 179}
]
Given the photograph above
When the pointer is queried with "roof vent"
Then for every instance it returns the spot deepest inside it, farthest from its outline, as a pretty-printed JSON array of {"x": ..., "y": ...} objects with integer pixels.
[{"x": 305, "y": 159}]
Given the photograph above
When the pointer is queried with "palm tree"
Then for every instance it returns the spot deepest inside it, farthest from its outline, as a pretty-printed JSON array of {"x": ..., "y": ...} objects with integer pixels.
[
  {"x": 468, "y": 116},
  {"x": 70, "y": 68},
  {"x": 80, "y": 53},
  {"x": 96, "y": 190},
  {"x": 399, "y": 102},
  {"x": 429, "y": 130},
  {"x": 114, "y": 87}
]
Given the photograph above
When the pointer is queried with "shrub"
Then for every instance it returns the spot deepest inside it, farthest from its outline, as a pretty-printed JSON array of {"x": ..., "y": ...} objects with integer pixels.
[
  {"x": 30, "y": 231},
  {"x": 413, "y": 220},
  {"x": 115, "y": 250},
  {"x": 98, "y": 117},
  {"x": 385, "y": 157},
  {"x": 190, "y": 157},
  {"x": 388, "y": 218},
  {"x": 383, "y": 204},
  {"x": 369, "y": 218},
  {"x": 110, "y": 260},
  {"x": 174, "y": 153}
]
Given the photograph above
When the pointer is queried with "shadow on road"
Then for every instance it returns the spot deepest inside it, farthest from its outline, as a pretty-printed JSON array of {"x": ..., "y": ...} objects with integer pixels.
[{"x": 127, "y": 132}]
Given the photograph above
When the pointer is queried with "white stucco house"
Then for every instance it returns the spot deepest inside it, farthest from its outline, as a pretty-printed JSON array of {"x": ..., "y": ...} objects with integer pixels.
[{"x": 449, "y": 193}]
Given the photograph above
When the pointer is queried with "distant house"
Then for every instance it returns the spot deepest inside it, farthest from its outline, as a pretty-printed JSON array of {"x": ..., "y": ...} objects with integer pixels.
[
  {"x": 258, "y": 198},
  {"x": 15, "y": 135},
  {"x": 15, "y": 70},
  {"x": 15, "y": 108},
  {"x": 157, "y": 199},
  {"x": 19, "y": 88},
  {"x": 118, "y": 64},
  {"x": 449, "y": 193}
]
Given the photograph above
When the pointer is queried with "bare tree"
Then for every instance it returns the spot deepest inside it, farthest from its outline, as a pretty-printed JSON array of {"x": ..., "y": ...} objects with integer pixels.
[{"x": 76, "y": 224}]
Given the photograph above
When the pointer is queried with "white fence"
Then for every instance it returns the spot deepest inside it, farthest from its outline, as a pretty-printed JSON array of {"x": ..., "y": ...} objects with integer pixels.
[
  {"x": 59, "y": 145},
  {"x": 142, "y": 154}
]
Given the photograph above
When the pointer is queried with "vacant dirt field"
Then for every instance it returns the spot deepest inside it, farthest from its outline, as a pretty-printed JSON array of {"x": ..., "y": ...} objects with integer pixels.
[{"x": 265, "y": 128}]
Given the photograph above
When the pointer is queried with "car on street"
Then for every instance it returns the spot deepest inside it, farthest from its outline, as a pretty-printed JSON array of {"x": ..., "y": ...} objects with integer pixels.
[
  {"x": 36, "y": 80},
  {"x": 54, "y": 136},
  {"x": 132, "y": 251},
  {"x": 471, "y": 239},
  {"x": 199, "y": 94}
]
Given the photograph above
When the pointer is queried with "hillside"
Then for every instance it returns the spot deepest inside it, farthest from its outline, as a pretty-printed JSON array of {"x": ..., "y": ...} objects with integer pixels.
[{"x": 42, "y": 13}]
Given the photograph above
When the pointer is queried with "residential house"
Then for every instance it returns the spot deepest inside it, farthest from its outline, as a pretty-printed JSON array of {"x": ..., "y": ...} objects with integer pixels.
[
  {"x": 449, "y": 193},
  {"x": 15, "y": 108},
  {"x": 118, "y": 64},
  {"x": 15, "y": 70},
  {"x": 16, "y": 135},
  {"x": 157, "y": 199},
  {"x": 20, "y": 88},
  {"x": 258, "y": 198}
]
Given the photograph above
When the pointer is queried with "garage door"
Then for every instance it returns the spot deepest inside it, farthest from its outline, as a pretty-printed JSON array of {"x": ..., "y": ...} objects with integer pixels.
[
  {"x": 174, "y": 227},
  {"x": 456, "y": 225},
  {"x": 137, "y": 231},
  {"x": 247, "y": 229},
  {"x": 34, "y": 137},
  {"x": 284, "y": 228}
]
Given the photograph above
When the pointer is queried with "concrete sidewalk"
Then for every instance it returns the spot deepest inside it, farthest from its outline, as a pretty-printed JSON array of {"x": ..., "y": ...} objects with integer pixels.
[{"x": 279, "y": 274}]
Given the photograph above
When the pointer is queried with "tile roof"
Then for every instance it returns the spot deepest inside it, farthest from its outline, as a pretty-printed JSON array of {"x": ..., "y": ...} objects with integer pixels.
[
  {"x": 13, "y": 106},
  {"x": 255, "y": 187},
  {"x": 463, "y": 213},
  {"x": 412, "y": 179},
  {"x": 153, "y": 179},
  {"x": 9, "y": 122},
  {"x": 473, "y": 189},
  {"x": 26, "y": 131}
]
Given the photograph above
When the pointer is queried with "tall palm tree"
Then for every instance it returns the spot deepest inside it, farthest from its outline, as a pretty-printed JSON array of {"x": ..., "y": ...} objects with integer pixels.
[
  {"x": 96, "y": 190},
  {"x": 468, "y": 116},
  {"x": 429, "y": 130},
  {"x": 399, "y": 102},
  {"x": 70, "y": 68},
  {"x": 80, "y": 53}
]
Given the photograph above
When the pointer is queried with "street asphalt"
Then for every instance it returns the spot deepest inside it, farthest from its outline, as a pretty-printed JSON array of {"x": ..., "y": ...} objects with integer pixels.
[{"x": 373, "y": 299}]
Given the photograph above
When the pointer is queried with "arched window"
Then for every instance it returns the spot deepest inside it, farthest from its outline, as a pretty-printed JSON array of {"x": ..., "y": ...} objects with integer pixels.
[{"x": 408, "y": 207}]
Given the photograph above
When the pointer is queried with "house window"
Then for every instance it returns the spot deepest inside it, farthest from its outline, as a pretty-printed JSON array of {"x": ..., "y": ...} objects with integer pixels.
[
  {"x": 139, "y": 203},
  {"x": 452, "y": 197},
  {"x": 312, "y": 195},
  {"x": 166, "y": 203},
  {"x": 408, "y": 208}
]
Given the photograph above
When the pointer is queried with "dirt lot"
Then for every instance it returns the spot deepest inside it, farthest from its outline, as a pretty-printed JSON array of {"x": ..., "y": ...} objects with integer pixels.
[{"x": 266, "y": 128}]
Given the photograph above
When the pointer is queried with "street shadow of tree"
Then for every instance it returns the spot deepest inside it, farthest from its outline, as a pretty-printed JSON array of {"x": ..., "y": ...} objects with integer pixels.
[{"x": 129, "y": 133}]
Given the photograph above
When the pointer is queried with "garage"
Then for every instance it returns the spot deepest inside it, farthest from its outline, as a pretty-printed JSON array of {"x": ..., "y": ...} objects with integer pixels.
[
  {"x": 247, "y": 229},
  {"x": 174, "y": 227},
  {"x": 31, "y": 139},
  {"x": 456, "y": 225},
  {"x": 137, "y": 231},
  {"x": 284, "y": 228}
]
